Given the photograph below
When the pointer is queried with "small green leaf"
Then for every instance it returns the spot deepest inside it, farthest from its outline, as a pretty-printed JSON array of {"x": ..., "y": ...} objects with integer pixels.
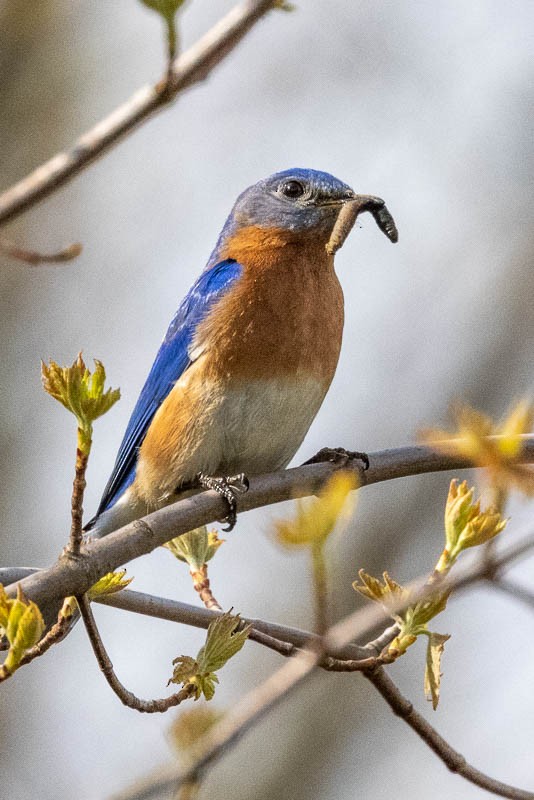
[
  {"x": 109, "y": 584},
  {"x": 316, "y": 518},
  {"x": 206, "y": 685},
  {"x": 389, "y": 591},
  {"x": 22, "y": 624},
  {"x": 459, "y": 509},
  {"x": 436, "y": 644},
  {"x": 29, "y": 630},
  {"x": 79, "y": 391},
  {"x": 480, "y": 530},
  {"x": 425, "y": 610},
  {"x": 196, "y": 547},
  {"x": 465, "y": 524},
  {"x": 185, "y": 669},
  {"x": 222, "y": 642}
]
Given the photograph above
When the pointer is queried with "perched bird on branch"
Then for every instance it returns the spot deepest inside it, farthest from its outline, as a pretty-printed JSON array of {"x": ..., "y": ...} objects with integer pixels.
[{"x": 249, "y": 356}]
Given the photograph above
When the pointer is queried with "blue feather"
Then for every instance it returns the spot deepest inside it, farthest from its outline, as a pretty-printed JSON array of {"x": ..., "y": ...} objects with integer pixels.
[{"x": 171, "y": 362}]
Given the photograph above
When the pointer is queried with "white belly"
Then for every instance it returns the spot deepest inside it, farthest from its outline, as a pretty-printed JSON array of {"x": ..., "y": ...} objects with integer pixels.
[
  {"x": 255, "y": 429},
  {"x": 224, "y": 428},
  {"x": 262, "y": 424}
]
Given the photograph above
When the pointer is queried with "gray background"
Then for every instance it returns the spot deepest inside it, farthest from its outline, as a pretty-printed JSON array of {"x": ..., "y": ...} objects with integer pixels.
[{"x": 427, "y": 105}]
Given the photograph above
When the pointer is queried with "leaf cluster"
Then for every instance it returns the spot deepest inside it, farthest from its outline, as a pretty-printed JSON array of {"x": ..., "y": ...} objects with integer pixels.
[
  {"x": 496, "y": 446},
  {"x": 466, "y": 525},
  {"x": 223, "y": 640},
  {"x": 80, "y": 392},
  {"x": 22, "y": 624}
]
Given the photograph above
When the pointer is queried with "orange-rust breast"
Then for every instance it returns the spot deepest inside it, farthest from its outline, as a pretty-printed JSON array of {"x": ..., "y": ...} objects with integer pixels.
[{"x": 284, "y": 317}]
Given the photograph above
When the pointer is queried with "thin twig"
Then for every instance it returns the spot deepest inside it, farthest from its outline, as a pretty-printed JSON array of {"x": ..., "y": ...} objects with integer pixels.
[
  {"x": 33, "y": 257},
  {"x": 78, "y": 491},
  {"x": 514, "y": 590},
  {"x": 201, "y": 585},
  {"x": 104, "y": 662},
  {"x": 192, "y": 66},
  {"x": 283, "y": 639},
  {"x": 450, "y": 757},
  {"x": 320, "y": 587}
]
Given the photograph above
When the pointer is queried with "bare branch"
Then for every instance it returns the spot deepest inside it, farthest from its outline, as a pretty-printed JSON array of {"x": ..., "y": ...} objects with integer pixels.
[
  {"x": 282, "y": 639},
  {"x": 285, "y": 639},
  {"x": 68, "y": 577},
  {"x": 104, "y": 662},
  {"x": 193, "y": 66},
  {"x": 34, "y": 258},
  {"x": 450, "y": 757}
]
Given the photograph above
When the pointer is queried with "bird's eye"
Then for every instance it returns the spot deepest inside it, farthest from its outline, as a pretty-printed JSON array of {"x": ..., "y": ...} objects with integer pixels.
[{"x": 292, "y": 189}]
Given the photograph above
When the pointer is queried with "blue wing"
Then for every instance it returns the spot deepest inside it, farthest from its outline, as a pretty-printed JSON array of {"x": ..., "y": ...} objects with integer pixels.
[{"x": 171, "y": 362}]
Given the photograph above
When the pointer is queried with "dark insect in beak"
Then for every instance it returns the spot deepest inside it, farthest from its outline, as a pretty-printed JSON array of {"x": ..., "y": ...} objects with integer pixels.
[{"x": 349, "y": 213}]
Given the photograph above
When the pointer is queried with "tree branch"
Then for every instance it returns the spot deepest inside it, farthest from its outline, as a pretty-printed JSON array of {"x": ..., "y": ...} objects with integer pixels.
[
  {"x": 193, "y": 66},
  {"x": 34, "y": 258},
  {"x": 75, "y": 576},
  {"x": 252, "y": 707},
  {"x": 450, "y": 757},
  {"x": 283, "y": 639},
  {"x": 104, "y": 662}
]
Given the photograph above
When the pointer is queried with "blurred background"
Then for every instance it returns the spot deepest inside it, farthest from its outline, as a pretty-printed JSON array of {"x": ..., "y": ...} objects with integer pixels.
[{"x": 427, "y": 105}]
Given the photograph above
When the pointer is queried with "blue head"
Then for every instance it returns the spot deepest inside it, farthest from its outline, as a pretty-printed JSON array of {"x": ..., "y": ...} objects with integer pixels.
[
  {"x": 295, "y": 199},
  {"x": 298, "y": 200}
]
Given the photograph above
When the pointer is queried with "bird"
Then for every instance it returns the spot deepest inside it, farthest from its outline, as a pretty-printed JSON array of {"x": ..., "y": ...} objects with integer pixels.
[{"x": 249, "y": 356}]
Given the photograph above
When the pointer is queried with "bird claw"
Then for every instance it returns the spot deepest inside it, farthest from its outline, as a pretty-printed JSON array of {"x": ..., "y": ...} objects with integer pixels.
[
  {"x": 338, "y": 456},
  {"x": 227, "y": 487}
]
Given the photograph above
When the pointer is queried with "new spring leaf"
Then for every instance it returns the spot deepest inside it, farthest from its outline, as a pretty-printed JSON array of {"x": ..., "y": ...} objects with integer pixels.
[
  {"x": 466, "y": 525},
  {"x": 316, "y": 518},
  {"x": 22, "y": 625},
  {"x": 495, "y": 446},
  {"x": 223, "y": 641},
  {"x": 81, "y": 392},
  {"x": 109, "y": 584},
  {"x": 196, "y": 547}
]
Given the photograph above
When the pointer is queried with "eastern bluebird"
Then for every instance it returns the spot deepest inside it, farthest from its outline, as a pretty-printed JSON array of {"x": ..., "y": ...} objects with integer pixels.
[{"x": 249, "y": 356}]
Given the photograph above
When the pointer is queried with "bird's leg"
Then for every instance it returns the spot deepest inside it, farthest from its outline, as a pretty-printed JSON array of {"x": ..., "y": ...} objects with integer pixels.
[
  {"x": 228, "y": 487},
  {"x": 338, "y": 456}
]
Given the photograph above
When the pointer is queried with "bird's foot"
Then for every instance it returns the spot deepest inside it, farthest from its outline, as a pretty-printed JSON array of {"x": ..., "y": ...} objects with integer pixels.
[
  {"x": 338, "y": 456},
  {"x": 228, "y": 487}
]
